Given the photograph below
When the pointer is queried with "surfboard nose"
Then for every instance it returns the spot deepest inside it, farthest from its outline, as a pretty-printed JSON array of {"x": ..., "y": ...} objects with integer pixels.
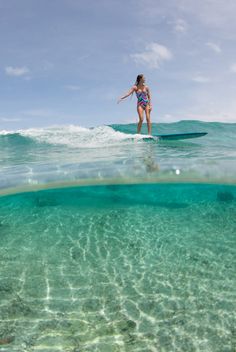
[{"x": 177, "y": 136}]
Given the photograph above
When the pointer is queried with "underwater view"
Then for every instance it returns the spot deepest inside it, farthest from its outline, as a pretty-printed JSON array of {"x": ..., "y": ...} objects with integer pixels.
[{"x": 110, "y": 242}]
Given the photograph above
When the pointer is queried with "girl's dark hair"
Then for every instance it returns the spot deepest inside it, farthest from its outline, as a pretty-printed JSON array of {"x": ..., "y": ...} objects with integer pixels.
[{"x": 139, "y": 77}]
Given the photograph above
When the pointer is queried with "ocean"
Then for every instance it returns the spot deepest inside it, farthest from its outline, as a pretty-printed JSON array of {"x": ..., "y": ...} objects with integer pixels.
[{"x": 111, "y": 242}]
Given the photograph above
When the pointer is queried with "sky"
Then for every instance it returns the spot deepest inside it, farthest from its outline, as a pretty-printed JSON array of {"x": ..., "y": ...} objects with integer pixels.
[{"x": 67, "y": 62}]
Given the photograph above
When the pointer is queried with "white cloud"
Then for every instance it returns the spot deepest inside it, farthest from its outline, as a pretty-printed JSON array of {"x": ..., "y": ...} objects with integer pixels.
[
  {"x": 212, "y": 13},
  {"x": 153, "y": 55},
  {"x": 73, "y": 87},
  {"x": 207, "y": 116},
  {"x": 47, "y": 66},
  {"x": 38, "y": 113},
  {"x": 16, "y": 71},
  {"x": 180, "y": 26},
  {"x": 8, "y": 119},
  {"x": 216, "y": 48},
  {"x": 233, "y": 68},
  {"x": 216, "y": 14},
  {"x": 201, "y": 79}
]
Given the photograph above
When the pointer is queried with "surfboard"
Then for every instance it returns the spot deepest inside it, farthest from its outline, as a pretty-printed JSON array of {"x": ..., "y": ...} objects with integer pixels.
[{"x": 177, "y": 136}]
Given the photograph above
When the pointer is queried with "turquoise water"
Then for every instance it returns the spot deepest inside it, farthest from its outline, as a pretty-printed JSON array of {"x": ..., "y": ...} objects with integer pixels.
[
  {"x": 43, "y": 156},
  {"x": 119, "y": 268},
  {"x": 110, "y": 243}
]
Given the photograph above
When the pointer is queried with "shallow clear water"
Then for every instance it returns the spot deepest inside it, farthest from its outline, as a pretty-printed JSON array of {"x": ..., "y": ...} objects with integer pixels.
[{"x": 119, "y": 268}]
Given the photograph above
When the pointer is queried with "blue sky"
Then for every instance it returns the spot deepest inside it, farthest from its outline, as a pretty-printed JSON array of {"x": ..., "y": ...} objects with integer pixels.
[{"x": 67, "y": 61}]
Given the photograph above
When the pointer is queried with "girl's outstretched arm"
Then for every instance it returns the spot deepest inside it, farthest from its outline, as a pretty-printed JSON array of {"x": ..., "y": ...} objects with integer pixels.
[{"x": 127, "y": 94}]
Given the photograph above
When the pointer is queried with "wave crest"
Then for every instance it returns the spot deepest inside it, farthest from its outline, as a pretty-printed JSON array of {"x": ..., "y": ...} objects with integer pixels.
[{"x": 76, "y": 136}]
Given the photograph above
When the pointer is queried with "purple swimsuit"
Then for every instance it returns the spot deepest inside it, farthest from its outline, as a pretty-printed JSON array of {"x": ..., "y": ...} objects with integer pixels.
[{"x": 142, "y": 97}]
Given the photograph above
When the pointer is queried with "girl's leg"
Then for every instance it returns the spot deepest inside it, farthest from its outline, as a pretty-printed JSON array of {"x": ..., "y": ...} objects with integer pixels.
[
  {"x": 148, "y": 118},
  {"x": 140, "y": 115}
]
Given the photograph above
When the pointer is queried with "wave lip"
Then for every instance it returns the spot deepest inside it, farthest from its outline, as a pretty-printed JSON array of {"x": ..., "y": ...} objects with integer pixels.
[{"x": 5, "y": 132}]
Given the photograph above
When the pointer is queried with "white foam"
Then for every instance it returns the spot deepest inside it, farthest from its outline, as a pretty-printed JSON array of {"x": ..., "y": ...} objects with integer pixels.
[
  {"x": 5, "y": 132},
  {"x": 77, "y": 136}
]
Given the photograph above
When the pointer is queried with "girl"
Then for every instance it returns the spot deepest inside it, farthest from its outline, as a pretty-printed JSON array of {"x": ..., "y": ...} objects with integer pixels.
[{"x": 144, "y": 101}]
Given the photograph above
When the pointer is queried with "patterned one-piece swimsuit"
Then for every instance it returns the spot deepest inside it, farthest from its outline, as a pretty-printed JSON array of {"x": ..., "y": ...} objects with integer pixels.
[{"x": 142, "y": 98}]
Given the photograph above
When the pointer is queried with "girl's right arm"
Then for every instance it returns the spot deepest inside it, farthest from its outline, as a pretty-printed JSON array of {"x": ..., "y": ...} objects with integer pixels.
[{"x": 133, "y": 89}]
